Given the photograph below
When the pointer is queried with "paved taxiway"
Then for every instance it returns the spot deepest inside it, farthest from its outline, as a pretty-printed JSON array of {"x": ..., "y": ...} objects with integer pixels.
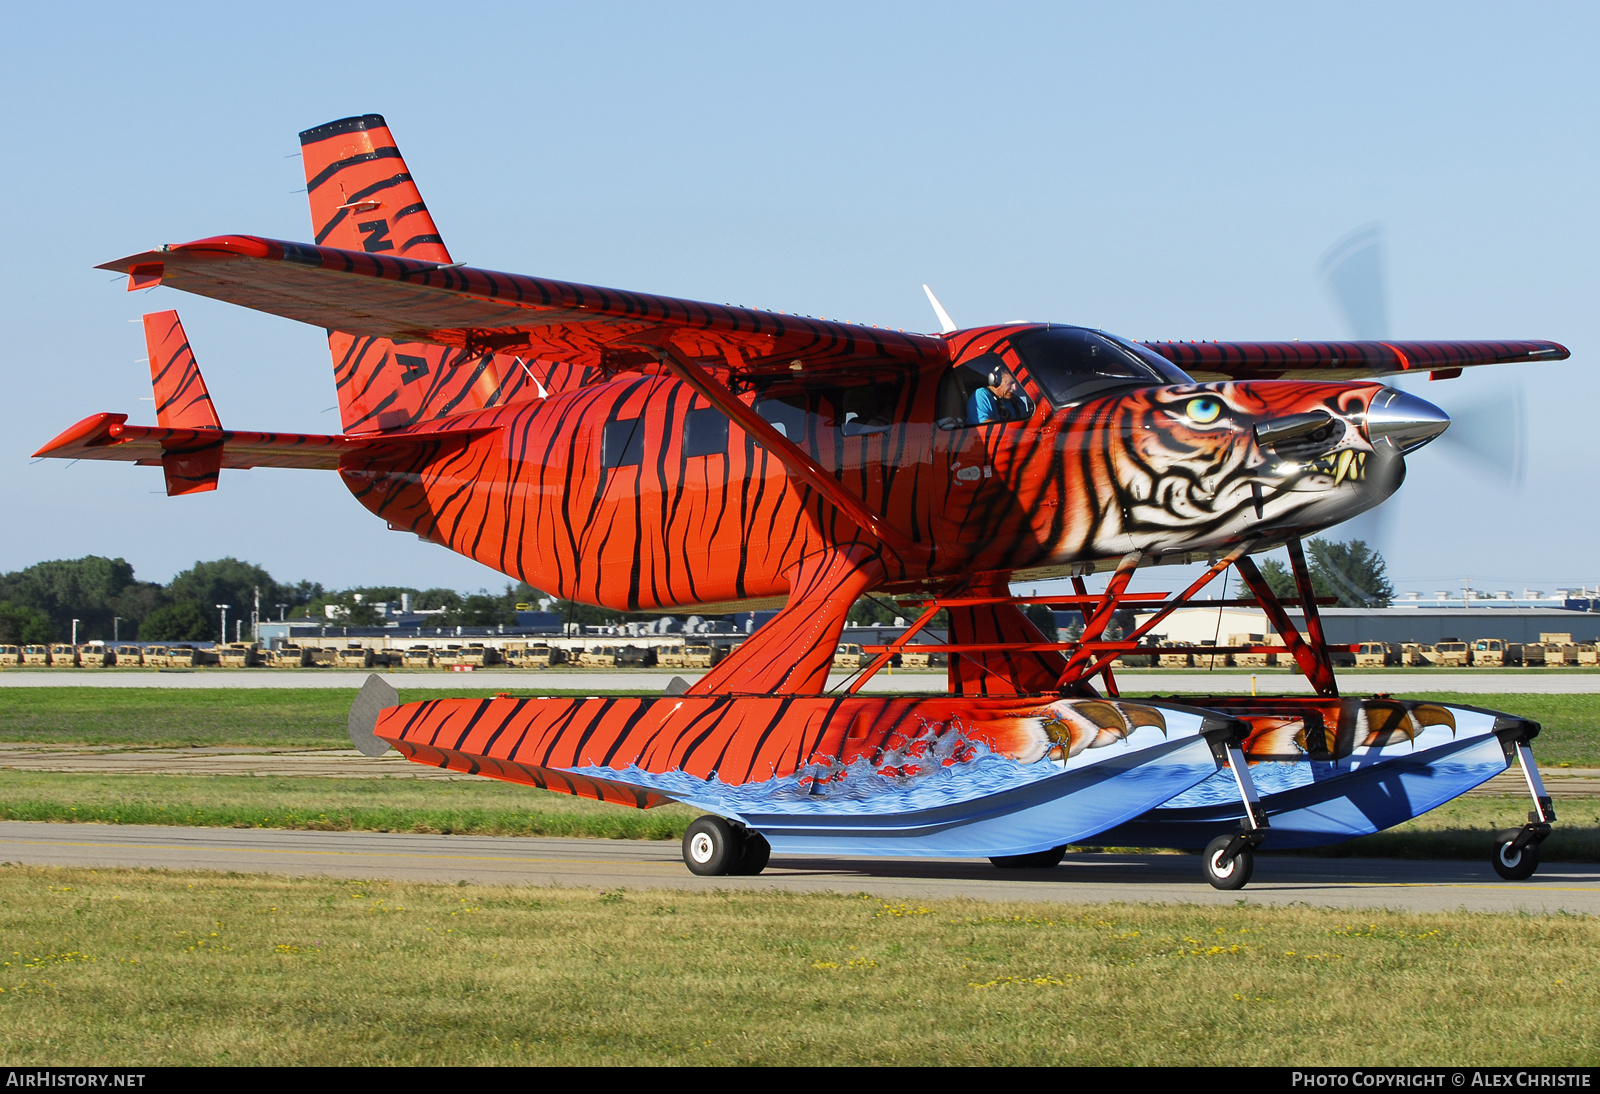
[
  {"x": 639, "y": 864},
  {"x": 535, "y": 681}
]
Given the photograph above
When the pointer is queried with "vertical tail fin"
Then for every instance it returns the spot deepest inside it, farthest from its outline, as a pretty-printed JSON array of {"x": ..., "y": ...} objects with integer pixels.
[
  {"x": 182, "y": 402},
  {"x": 362, "y": 197}
]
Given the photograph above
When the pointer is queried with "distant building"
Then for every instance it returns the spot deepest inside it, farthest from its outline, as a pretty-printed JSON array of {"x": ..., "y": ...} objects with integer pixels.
[{"x": 1342, "y": 626}]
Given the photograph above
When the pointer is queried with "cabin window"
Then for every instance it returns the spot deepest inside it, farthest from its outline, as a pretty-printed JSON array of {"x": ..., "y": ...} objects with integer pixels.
[
  {"x": 786, "y": 414},
  {"x": 623, "y": 443},
  {"x": 867, "y": 409},
  {"x": 705, "y": 432}
]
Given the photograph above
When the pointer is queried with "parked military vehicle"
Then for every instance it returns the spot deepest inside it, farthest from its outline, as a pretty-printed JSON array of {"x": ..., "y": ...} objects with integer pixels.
[
  {"x": 286, "y": 657},
  {"x": 96, "y": 655},
  {"x": 1494, "y": 653},
  {"x": 477, "y": 655},
  {"x": 325, "y": 657},
  {"x": 598, "y": 657},
  {"x": 239, "y": 655},
  {"x": 636, "y": 657},
  {"x": 184, "y": 657},
  {"x": 848, "y": 656},
  {"x": 1370, "y": 655},
  {"x": 10, "y": 655},
  {"x": 1417, "y": 654},
  {"x": 1175, "y": 658},
  {"x": 686, "y": 656},
  {"x": 541, "y": 655},
  {"x": 921, "y": 657},
  {"x": 63, "y": 655},
  {"x": 418, "y": 657},
  {"x": 354, "y": 656},
  {"x": 128, "y": 657},
  {"x": 1452, "y": 653}
]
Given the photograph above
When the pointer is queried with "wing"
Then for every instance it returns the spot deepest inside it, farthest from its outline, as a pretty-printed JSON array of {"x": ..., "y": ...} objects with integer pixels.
[
  {"x": 1207, "y": 361},
  {"x": 478, "y": 310}
]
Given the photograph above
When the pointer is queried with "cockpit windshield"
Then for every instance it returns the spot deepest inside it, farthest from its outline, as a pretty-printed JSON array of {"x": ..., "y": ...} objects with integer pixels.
[{"x": 1071, "y": 364}]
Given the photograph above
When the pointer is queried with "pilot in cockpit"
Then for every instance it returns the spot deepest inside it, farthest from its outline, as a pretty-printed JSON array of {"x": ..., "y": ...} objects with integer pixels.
[{"x": 999, "y": 400}]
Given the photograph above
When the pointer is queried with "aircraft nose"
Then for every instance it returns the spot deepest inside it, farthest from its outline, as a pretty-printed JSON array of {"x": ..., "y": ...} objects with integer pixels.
[{"x": 1404, "y": 420}]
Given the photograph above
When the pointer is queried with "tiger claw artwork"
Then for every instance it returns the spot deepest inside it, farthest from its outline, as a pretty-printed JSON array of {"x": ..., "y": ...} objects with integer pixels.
[{"x": 642, "y": 452}]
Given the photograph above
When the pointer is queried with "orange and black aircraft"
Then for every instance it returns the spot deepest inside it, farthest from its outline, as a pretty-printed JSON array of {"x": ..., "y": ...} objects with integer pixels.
[{"x": 648, "y": 453}]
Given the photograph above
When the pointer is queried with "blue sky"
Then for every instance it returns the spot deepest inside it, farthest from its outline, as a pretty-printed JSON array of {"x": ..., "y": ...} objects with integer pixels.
[{"x": 1162, "y": 171}]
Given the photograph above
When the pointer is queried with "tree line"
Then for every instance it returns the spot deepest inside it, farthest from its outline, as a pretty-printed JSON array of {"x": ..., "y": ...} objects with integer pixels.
[{"x": 38, "y": 604}]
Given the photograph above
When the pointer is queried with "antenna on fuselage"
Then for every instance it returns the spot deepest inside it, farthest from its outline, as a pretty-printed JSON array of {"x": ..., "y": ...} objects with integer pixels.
[{"x": 946, "y": 324}]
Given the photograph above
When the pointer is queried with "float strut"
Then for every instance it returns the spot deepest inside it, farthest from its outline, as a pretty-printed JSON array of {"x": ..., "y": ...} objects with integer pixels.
[{"x": 1253, "y": 829}]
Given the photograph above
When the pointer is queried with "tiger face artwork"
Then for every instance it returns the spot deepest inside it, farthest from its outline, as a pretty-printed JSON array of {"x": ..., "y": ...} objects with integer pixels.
[{"x": 1200, "y": 466}]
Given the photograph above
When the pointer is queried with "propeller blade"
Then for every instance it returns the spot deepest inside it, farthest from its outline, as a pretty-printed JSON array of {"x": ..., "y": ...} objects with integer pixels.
[
  {"x": 1353, "y": 270},
  {"x": 1492, "y": 435}
]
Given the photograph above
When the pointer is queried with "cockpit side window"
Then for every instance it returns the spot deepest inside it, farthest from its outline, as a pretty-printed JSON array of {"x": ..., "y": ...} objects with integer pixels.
[
  {"x": 982, "y": 391},
  {"x": 1071, "y": 363}
]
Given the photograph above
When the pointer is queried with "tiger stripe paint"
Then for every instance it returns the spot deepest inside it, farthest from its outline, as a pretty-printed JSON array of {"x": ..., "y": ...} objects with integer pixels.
[
  {"x": 182, "y": 399},
  {"x": 735, "y": 741}
]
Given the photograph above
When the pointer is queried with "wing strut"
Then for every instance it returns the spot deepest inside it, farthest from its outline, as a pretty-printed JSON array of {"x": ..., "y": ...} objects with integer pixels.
[{"x": 794, "y": 459}]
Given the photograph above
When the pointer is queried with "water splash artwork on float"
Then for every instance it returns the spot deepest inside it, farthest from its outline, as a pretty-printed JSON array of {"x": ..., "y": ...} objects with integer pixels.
[{"x": 941, "y": 765}]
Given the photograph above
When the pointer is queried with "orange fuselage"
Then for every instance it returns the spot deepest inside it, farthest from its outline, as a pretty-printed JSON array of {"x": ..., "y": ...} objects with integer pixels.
[{"x": 635, "y": 494}]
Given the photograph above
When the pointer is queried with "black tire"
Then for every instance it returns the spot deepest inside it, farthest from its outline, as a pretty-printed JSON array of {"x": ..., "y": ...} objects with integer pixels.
[
  {"x": 1037, "y": 860},
  {"x": 712, "y": 847},
  {"x": 1236, "y": 873},
  {"x": 757, "y": 851},
  {"x": 1515, "y": 865}
]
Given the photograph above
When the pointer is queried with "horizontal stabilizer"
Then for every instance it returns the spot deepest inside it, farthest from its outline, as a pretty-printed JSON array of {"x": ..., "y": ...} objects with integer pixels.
[{"x": 109, "y": 437}]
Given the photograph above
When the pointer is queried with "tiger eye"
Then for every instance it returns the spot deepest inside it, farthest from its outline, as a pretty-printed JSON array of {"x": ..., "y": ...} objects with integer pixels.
[{"x": 1203, "y": 411}]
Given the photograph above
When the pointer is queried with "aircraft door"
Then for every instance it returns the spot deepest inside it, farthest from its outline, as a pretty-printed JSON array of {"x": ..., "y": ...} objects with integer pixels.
[{"x": 982, "y": 411}]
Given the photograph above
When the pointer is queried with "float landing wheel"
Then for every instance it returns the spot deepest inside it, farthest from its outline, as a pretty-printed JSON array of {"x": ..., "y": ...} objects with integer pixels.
[
  {"x": 1038, "y": 860},
  {"x": 712, "y": 847},
  {"x": 1228, "y": 873},
  {"x": 1514, "y": 863}
]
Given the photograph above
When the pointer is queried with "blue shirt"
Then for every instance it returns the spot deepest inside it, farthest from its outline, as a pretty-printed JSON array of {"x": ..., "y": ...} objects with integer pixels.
[{"x": 986, "y": 406}]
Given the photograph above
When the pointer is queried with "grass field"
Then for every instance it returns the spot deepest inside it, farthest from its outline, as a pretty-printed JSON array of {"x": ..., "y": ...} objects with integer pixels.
[
  {"x": 133, "y": 968},
  {"x": 315, "y": 717},
  {"x": 484, "y": 807}
]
